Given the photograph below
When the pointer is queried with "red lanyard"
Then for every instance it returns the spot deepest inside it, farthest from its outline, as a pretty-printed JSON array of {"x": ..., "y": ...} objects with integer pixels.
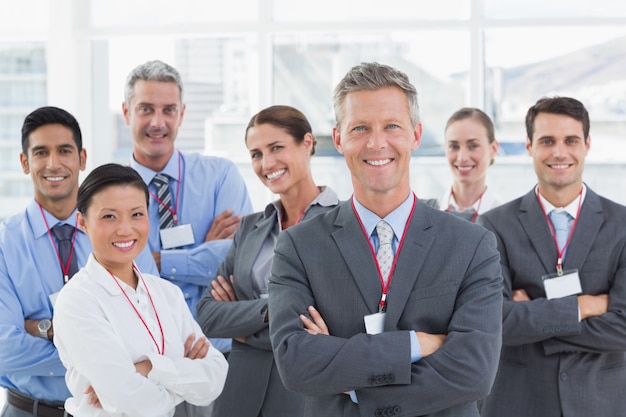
[
  {"x": 65, "y": 269},
  {"x": 561, "y": 251},
  {"x": 174, "y": 210},
  {"x": 383, "y": 299},
  {"x": 480, "y": 201},
  {"x": 160, "y": 350}
]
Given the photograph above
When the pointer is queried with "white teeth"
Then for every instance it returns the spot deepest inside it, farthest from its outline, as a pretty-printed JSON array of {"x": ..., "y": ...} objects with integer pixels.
[
  {"x": 464, "y": 168},
  {"x": 275, "y": 174},
  {"x": 154, "y": 136},
  {"x": 55, "y": 179},
  {"x": 124, "y": 245},
  {"x": 559, "y": 166},
  {"x": 378, "y": 162}
]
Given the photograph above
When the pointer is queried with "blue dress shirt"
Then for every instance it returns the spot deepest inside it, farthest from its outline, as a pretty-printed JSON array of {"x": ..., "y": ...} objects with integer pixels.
[
  {"x": 208, "y": 186},
  {"x": 30, "y": 272}
]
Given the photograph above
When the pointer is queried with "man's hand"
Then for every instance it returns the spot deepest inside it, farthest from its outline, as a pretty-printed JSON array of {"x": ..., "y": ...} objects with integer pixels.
[
  {"x": 222, "y": 290},
  {"x": 430, "y": 343},
  {"x": 520, "y": 295},
  {"x": 196, "y": 349},
  {"x": 157, "y": 259},
  {"x": 31, "y": 328},
  {"x": 593, "y": 305},
  {"x": 224, "y": 226},
  {"x": 315, "y": 326}
]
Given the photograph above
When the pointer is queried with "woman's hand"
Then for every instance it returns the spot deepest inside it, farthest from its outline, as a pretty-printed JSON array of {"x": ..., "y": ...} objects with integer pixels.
[
  {"x": 223, "y": 290},
  {"x": 196, "y": 349}
]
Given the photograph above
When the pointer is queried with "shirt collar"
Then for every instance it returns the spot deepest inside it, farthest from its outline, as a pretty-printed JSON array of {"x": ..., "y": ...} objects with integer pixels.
[
  {"x": 397, "y": 219},
  {"x": 38, "y": 223},
  {"x": 326, "y": 198},
  {"x": 571, "y": 208},
  {"x": 171, "y": 168},
  {"x": 482, "y": 205}
]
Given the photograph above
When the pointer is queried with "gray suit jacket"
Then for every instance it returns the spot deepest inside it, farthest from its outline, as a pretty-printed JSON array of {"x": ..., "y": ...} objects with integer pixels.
[
  {"x": 253, "y": 383},
  {"x": 552, "y": 364},
  {"x": 447, "y": 280}
]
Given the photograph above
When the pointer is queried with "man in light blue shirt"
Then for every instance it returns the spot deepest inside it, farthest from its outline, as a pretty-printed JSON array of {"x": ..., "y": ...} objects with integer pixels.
[
  {"x": 207, "y": 195},
  {"x": 32, "y": 270}
]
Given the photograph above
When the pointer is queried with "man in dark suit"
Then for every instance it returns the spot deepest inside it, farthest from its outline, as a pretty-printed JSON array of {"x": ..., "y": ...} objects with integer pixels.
[
  {"x": 404, "y": 301},
  {"x": 564, "y": 327}
]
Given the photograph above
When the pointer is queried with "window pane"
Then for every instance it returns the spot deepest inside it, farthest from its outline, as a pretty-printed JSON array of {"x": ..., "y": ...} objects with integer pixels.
[
  {"x": 584, "y": 62},
  {"x": 517, "y": 9},
  {"x": 359, "y": 10},
  {"x": 164, "y": 12},
  {"x": 29, "y": 17},
  {"x": 307, "y": 68}
]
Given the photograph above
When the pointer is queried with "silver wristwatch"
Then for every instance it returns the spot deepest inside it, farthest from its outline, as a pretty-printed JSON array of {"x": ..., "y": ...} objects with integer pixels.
[{"x": 43, "y": 326}]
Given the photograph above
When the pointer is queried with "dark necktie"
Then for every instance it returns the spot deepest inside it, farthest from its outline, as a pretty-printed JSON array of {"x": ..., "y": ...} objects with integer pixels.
[
  {"x": 65, "y": 234},
  {"x": 166, "y": 218}
]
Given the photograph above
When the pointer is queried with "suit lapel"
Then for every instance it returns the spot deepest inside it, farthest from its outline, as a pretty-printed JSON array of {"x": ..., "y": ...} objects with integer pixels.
[
  {"x": 533, "y": 221},
  {"x": 417, "y": 242},
  {"x": 251, "y": 246},
  {"x": 357, "y": 253},
  {"x": 588, "y": 225}
]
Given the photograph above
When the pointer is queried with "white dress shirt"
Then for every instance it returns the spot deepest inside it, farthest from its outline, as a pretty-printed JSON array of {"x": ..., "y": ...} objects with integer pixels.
[{"x": 100, "y": 337}]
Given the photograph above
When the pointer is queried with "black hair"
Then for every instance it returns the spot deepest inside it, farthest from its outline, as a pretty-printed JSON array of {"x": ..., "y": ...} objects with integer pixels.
[
  {"x": 50, "y": 115},
  {"x": 105, "y": 176}
]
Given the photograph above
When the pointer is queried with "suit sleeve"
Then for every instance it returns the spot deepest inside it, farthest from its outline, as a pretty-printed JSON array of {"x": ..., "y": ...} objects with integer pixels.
[
  {"x": 604, "y": 333},
  {"x": 230, "y": 319},
  {"x": 531, "y": 321},
  {"x": 378, "y": 366}
]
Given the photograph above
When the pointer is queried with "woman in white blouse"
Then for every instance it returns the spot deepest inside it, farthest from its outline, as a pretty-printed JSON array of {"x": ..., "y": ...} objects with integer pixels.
[
  {"x": 128, "y": 340},
  {"x": 470, "y": 147}
]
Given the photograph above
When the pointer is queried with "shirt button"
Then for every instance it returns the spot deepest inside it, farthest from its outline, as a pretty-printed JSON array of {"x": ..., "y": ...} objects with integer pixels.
[
  {"x": 173, "y": 270},
  {"x": 563, "y": 376}
]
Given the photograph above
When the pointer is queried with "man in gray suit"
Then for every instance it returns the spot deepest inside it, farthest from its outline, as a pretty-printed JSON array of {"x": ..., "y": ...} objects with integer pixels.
[
  {"x": 405, "y": 313},
  {"x": 564, "y": 328}
]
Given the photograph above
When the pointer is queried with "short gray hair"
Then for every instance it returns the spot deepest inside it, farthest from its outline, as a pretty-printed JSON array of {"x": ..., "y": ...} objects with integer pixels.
[
  {"x": 152, "y": 71},
  {"x": 374, "y": 76}
]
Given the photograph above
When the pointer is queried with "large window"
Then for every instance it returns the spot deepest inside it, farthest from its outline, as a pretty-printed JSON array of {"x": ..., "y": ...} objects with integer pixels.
[{"x": 239, "y": 56}]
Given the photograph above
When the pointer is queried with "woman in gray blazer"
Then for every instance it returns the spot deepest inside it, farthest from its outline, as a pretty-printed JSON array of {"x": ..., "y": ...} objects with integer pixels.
[{"x": 281, "y": 143}]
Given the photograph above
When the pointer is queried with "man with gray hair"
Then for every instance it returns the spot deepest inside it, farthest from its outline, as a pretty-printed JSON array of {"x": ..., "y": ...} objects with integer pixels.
[
  {"x": 197, "y": 201},
  {"x": 384, "y": 306}
]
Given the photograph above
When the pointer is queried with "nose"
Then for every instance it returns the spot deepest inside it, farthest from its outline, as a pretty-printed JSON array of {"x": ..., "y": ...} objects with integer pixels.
[
  {"x": 268, "y": 162},
  {"x": 124, "y": 227},
  {"x": 462, "y": 154},
  {"x": 157, "y": 120},
  {"x": 377, "y": 140},
  {"x": 53, "y": 160}
]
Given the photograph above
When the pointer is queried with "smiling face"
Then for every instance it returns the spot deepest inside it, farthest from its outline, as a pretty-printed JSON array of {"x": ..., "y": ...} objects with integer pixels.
[
  {"x": 54, "y": 163},
  {"x": 558, "y": 149},
  {"x": 116, "y": 221},
  {"x": 468, "y": 150},
  {"x": 376, "y": 137},
  {"x": 278, "y": 161},
  {"x": 154, "y": 114}
]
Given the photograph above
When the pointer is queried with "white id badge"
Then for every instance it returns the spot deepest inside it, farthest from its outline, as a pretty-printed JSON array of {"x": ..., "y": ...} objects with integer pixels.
[
  {"x": 374, "y": 323},
  {"x": 176, "y": 236},
  {"x": 53, "y": 298},
  {"x": 562, "y": 286}
]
